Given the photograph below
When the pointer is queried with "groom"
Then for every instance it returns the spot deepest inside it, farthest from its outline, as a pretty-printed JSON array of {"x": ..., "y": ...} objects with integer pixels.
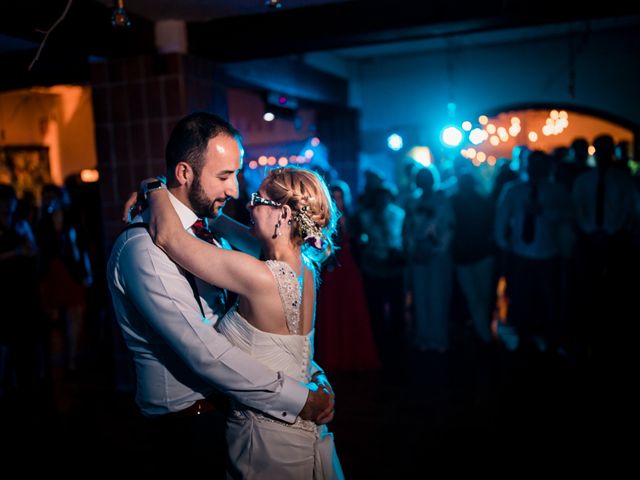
[{"x": 184, "y": 367}]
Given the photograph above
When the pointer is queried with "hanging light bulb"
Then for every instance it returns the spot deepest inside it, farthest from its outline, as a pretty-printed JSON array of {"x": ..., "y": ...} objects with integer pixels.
[{"x": 119, "y": 17}]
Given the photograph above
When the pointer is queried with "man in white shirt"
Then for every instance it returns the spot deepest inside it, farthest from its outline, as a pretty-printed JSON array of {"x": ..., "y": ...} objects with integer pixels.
[
  {"x": 608, "y": 213},
  {"x": 167, "y": 316}
]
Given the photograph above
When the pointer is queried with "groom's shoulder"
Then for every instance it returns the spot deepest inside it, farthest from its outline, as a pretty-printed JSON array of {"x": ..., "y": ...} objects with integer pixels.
[
  {"x": 134, "y": 236},
  {"x": 134, "y": 251},
  {"x": 136, "y": 227},
  {"x": 134, "y": 232}
]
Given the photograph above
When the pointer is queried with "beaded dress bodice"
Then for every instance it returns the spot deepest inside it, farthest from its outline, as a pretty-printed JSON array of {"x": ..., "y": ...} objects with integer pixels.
[{"x": 291, "y": 353}]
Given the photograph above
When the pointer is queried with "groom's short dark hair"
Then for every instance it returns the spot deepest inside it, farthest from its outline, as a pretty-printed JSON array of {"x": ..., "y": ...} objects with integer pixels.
[{"x": 189, "y": 139}]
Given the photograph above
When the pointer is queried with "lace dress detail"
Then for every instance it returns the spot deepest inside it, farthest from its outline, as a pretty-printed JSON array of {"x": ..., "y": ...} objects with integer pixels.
[{"x": 290, "y": 288}]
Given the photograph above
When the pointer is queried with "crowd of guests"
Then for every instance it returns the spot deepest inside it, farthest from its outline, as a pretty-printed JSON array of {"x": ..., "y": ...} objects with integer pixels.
[
  {"x": 561, "y": 229},
  {"x": 46, "y": 279}
]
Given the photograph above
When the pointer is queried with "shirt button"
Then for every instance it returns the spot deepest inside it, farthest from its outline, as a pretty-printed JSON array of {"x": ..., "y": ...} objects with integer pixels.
[{"x": 284, "y": 414}]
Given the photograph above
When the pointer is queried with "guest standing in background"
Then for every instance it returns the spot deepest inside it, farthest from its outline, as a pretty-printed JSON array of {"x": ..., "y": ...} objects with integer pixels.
[
  {"x": 344, "y": 339},
  {"x": 65, "y": 275}
]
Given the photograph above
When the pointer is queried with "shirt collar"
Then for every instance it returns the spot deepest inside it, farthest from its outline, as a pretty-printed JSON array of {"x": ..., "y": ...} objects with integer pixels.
[{"x": 186, "y": 215}]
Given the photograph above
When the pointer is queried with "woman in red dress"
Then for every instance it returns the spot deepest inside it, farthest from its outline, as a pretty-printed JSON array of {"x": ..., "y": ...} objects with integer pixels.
[{"x": 344, "y": 339}]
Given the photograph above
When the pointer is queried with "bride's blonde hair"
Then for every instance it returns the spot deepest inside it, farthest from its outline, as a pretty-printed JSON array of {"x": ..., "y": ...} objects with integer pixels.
[{"x": 314, "y": 214}]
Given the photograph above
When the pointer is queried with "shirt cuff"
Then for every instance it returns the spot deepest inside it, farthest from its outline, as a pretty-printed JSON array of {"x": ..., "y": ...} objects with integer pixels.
[{"x": 291, "y": 400}]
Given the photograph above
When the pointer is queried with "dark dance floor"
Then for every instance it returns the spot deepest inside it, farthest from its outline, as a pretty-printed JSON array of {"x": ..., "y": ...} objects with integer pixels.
[{"x": 473, "y": 409}]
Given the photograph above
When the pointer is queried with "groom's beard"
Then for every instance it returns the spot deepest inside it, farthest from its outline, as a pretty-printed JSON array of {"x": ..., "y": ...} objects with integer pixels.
[{"x": 201, "y": 205}]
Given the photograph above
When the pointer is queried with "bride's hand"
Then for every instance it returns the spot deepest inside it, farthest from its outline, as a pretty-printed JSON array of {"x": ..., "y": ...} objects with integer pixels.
[
  {"x": 164, "y": 223},
  {"x": 136, "y": 203},
  {"x": 132, "y": 207}
]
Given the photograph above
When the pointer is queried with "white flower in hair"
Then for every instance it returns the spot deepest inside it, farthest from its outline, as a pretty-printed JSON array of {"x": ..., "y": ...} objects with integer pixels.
[{"x": 309, "y": 230}]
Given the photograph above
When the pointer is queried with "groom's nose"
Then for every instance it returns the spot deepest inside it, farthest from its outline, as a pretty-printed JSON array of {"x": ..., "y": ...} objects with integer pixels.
[{"x": 231, "y": 189}]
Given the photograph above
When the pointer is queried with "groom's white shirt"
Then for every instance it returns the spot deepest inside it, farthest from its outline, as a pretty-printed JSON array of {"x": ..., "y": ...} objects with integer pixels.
[{"x": 179, "y": 357}]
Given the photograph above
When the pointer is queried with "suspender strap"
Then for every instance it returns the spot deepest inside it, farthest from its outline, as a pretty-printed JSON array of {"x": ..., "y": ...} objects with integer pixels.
[{"x": 194, "y": 287}]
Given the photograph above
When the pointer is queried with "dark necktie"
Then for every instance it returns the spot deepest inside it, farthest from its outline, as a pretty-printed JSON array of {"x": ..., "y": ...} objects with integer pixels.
[{"x": 201, "y": 230}]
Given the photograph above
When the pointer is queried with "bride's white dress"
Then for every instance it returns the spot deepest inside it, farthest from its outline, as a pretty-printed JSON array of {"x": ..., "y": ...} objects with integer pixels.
[{"x": 261, "y": 446}]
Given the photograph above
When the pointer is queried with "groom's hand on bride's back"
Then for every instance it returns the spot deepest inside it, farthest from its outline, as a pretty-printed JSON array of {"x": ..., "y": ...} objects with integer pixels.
[{"x": 320, "y": 404}]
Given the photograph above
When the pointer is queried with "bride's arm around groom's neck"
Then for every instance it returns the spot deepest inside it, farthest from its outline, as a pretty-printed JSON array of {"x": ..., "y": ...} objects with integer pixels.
[{"x": 237, "y": 234}]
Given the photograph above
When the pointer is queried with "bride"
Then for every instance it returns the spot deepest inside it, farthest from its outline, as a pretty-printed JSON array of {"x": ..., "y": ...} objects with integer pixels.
[{"x": 293, "y": 217}]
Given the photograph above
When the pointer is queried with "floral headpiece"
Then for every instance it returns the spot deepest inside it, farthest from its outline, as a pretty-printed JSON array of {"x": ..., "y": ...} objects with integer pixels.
[{"x": 309, "y": 230}]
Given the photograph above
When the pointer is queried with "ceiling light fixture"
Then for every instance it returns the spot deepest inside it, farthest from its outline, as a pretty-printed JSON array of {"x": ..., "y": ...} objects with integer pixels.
[{"x": 119, "y": 17}]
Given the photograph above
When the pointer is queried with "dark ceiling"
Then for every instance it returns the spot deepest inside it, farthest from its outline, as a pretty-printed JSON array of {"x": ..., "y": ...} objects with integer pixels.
[{"x": 234, "y": 30}]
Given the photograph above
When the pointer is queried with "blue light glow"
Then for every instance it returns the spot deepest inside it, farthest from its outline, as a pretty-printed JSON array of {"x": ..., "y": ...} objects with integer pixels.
[{"x": 395, "y": 142}]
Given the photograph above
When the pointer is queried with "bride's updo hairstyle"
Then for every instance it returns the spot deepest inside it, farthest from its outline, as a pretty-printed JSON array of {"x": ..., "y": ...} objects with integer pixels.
[{"x": 314, "y": 215}]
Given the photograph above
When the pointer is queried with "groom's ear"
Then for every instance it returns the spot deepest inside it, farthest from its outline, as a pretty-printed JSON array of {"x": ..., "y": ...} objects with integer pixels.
[{"x": 183, "y": 173}]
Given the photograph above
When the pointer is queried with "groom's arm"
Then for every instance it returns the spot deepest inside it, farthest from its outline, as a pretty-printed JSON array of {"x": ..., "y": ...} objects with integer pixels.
[{"x": 163, "y": 296}]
